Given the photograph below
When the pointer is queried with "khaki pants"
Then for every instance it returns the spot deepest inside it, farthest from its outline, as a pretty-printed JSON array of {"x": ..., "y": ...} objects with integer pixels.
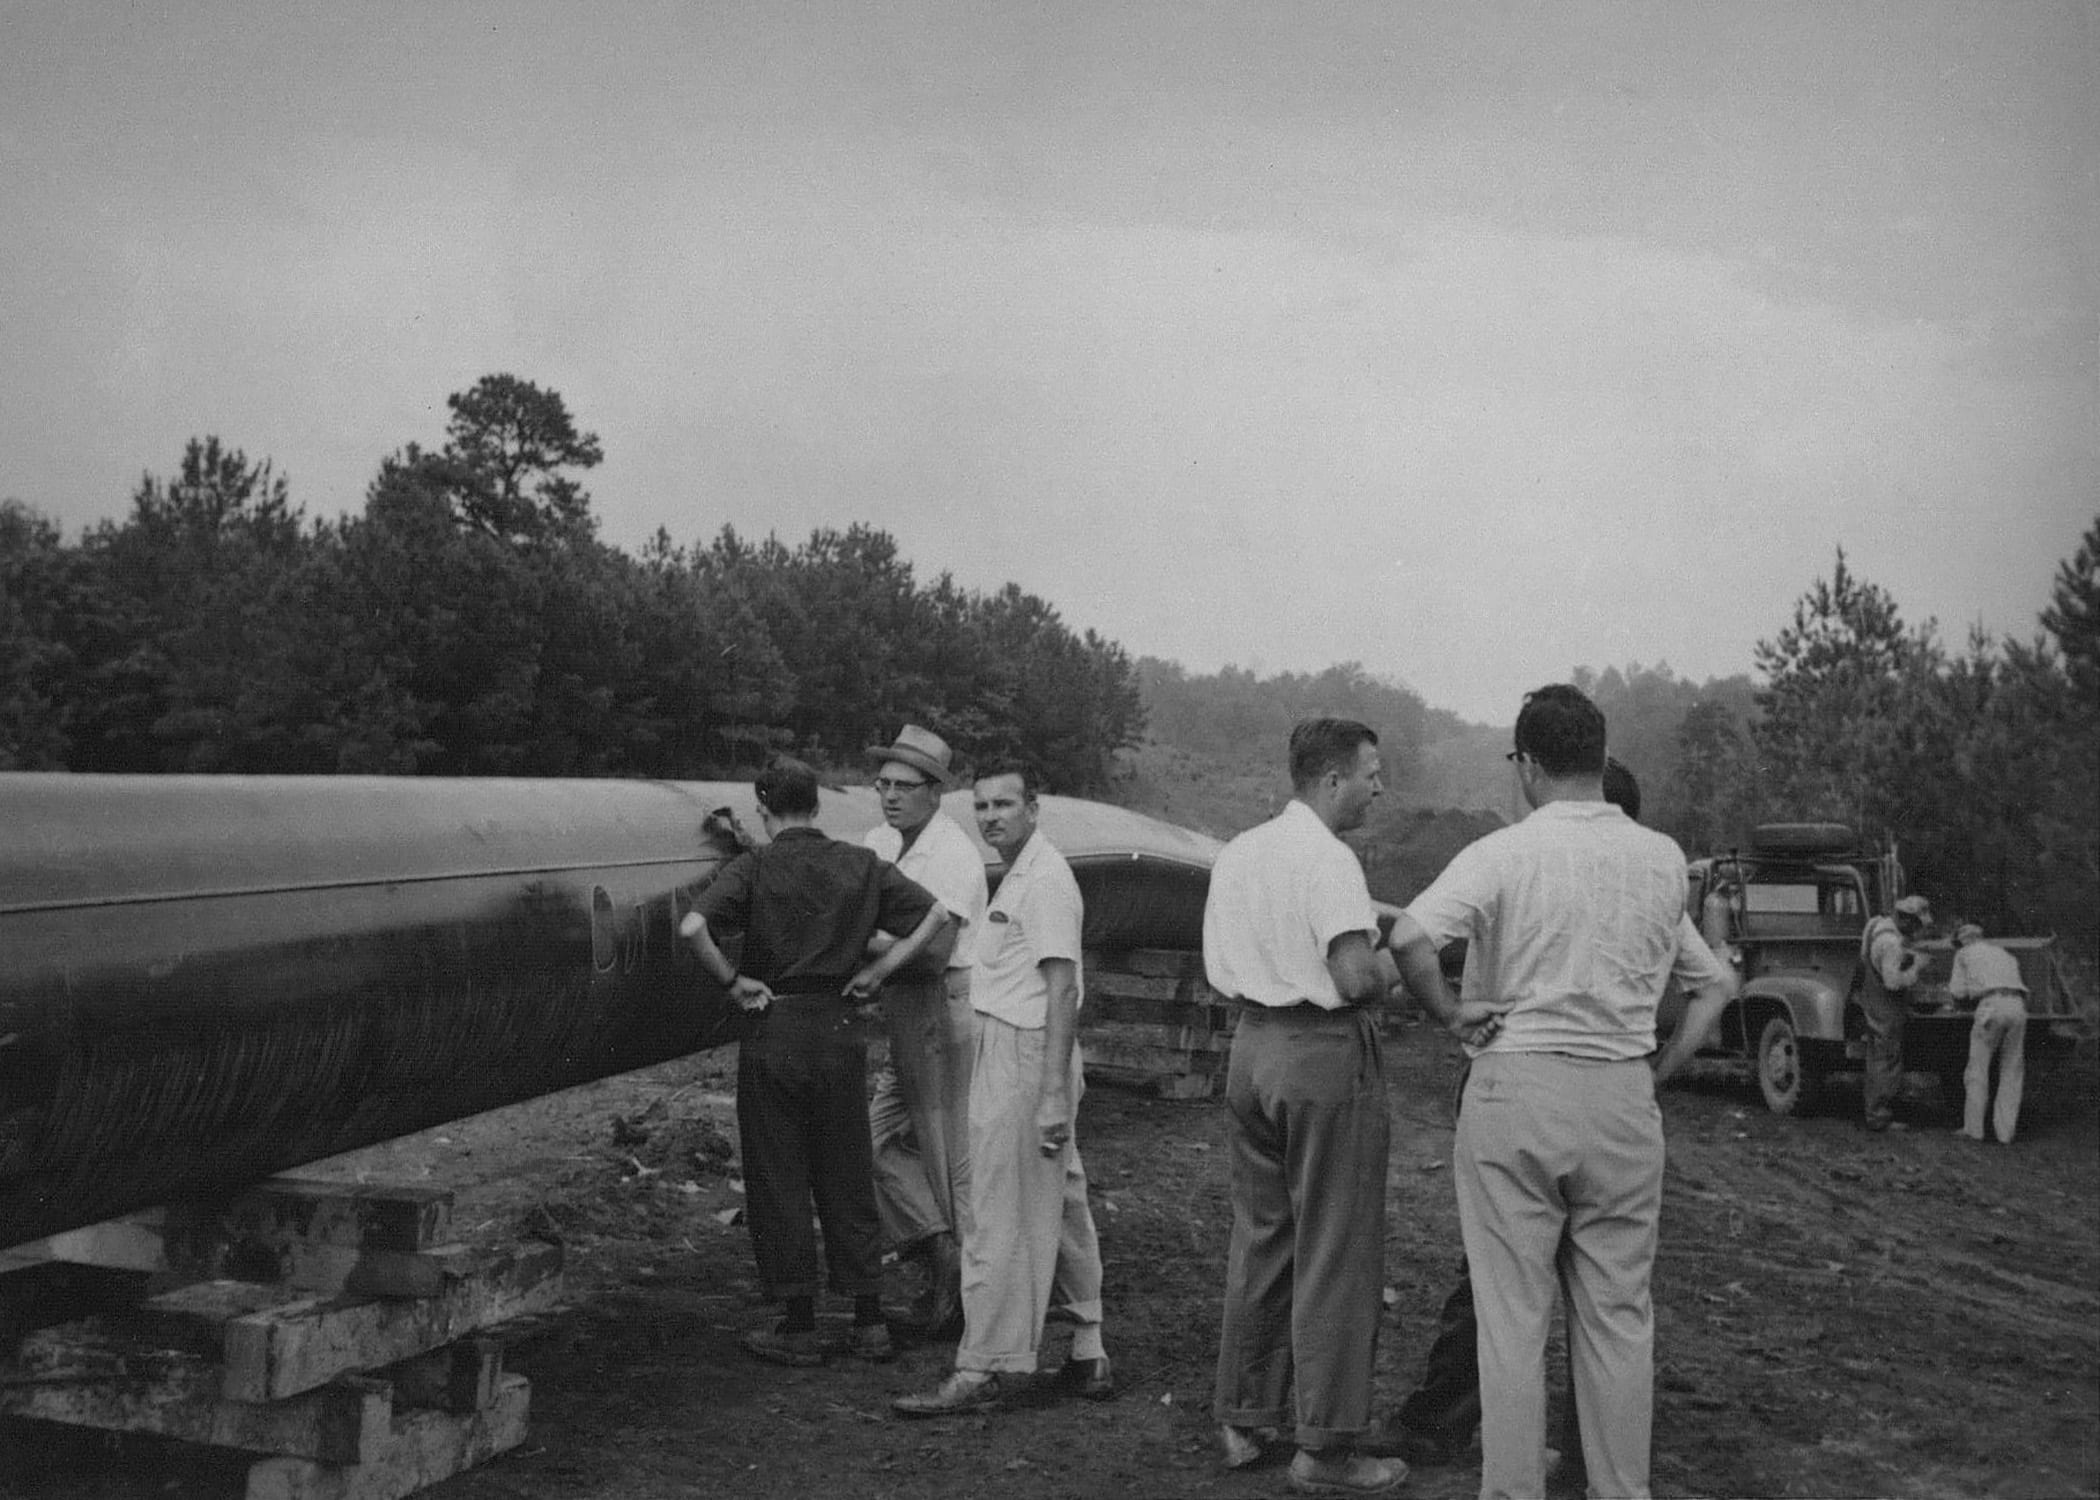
[
  {"x": 918, "y": 1109},
  {"x": 2000, "y": 1030},
  {"x": 1031, "y": 1233},
  {"x": 1559, "y": 1165}
]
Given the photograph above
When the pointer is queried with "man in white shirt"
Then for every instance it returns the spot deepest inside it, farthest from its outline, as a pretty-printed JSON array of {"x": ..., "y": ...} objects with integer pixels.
[
  {"x": 1988, "y": 977},
  {"x": 1289, "y": 935},
  {"x": 918, "y": 1110},
  {"x": 1576, "y": 920},
  {"x": 1029, "y": 1232}
]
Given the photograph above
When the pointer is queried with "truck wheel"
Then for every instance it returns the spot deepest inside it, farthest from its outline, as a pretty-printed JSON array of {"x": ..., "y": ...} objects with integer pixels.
[{"x": 1783, "y": 1074}]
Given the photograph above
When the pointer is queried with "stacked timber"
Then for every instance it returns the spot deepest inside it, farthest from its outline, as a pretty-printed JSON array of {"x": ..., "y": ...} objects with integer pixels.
[
  {"x": 1151, "y": 1020},
  {"x": 336, "y": 1332}
]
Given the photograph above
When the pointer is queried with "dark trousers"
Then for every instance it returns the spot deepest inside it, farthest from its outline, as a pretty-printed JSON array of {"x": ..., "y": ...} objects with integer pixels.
[
  {"x": 1883, "y": 1080},
  {"x": 802, "y": 1113},
  {"x": 1307, "y": 1263},
  {"x": 1446, "y": 1405}
]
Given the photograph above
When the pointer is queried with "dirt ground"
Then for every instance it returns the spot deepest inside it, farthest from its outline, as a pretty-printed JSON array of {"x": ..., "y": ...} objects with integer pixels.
[{"x": 1838, "y": 1313}]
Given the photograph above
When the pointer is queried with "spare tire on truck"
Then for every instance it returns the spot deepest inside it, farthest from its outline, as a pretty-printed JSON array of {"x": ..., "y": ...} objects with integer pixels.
[{"x": 1802, "y": 838}]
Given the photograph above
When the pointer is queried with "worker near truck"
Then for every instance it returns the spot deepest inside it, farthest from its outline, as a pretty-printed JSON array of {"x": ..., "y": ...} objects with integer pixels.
[
  {"x": 1888, "y": 978},
  {"x": 1988, "y": 977}
]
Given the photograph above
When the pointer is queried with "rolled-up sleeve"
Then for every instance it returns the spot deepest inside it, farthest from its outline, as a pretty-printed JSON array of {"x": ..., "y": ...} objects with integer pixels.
[
  {"x": 1460, "y": 901},
  {"x": 1695, "y": 966}
]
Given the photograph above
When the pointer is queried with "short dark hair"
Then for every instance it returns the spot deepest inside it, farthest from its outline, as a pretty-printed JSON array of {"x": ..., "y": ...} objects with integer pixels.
[
  {"x": 1620, "y": 788},
  {"x": 787, "y": 788},
  {"x": 1031, "y": 779},
  {"x": 1322, "y": 745},
  {"x": 1561, "y": 731}
]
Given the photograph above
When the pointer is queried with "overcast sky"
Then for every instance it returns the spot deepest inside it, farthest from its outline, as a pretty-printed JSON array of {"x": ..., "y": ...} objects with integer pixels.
[{"x": 1473, "y": 342}]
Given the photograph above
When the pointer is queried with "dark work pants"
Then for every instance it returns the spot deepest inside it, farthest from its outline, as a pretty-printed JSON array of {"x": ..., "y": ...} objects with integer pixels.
[
  {"x": 1307, "y": 1262},
  {"x": 1883, "y": 1081},
  {"x": 802, "y": 1112},
  {"x": 1446, "y": 1405}
]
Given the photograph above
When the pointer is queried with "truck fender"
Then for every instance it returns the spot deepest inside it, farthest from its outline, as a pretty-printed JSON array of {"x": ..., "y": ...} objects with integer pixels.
[{"x": 1816, "y": 1009}]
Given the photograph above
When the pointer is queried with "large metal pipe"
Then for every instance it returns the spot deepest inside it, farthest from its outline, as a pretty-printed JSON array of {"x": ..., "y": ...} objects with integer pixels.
[{"x": 204, "y": 980}]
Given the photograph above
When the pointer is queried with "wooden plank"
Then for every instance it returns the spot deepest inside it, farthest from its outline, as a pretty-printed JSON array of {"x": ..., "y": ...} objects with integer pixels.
[
  {"x": 1206, "y": 1020},
  {"x": 1133, "y": 987},
  {"x": 425, "y": 1448},
  {"x": 1171, "y": 962},
  {"x": 282, "y": 1350},
  {"x": 86, "y": 1375},
  {"x": 1152, "y": 1061},
  {"x": 461, "y": 1377},
  {"x": 361, "y": 1216},
  {"x": 1171, "y": 1038}
]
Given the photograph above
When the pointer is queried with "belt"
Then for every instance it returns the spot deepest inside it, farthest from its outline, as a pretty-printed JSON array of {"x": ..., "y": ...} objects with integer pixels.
[
  {"x": 794, "y": 988},
  {"x": 1298, "y": 1010}
]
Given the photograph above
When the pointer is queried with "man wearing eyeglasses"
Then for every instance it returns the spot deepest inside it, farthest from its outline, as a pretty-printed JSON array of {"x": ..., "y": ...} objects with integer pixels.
[
  {"x": 1576, "y": 920},
  {"x": 918, "y": 1109}
]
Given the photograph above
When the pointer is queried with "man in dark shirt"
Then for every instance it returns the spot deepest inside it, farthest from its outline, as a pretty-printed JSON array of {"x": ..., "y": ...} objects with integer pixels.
[{"x": 806, "y": 906}]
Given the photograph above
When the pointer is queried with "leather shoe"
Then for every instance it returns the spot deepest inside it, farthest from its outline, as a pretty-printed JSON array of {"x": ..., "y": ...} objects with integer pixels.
[
  {"x": 1089, "y": 1378},
  {"x": 781, "y": 1345},
  {"x": 1346, "y": 1474},
  {"x": 1388, "y": 1438},
  {"x": 872, "y": 1342},
  {"x": 1244, "y": 1446},
  {"x": 962, "y": 1392}
]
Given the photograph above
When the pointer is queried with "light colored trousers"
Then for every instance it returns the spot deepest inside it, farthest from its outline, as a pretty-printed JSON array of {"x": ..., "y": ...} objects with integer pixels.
[
  {"x": 1031, "y": 1233},
  {"x": 2000, "y": 1030},
  {"x": 1559, "y": 1167},
  {"x": 918, "y": 1108}
]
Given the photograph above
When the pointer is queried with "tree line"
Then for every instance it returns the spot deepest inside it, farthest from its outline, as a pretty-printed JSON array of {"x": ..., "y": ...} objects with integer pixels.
[
  {"x": 470, "y": 622},
  {"x": 1980, "y": 762}
]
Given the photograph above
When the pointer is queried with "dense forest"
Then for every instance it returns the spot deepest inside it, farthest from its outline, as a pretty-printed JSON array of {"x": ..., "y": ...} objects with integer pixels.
[{"x": 469, "y": 622}]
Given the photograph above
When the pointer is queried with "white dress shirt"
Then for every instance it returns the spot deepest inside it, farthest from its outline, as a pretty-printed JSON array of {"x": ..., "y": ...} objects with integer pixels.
[
  {"x": 947, "y": 864},
  {"x": 1576, "y": 917},
  {"x": 1280, "y": 893}
]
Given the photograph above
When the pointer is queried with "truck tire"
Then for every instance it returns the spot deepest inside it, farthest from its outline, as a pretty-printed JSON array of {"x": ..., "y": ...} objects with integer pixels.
[
  {"x": 1802, "y": 838},
  {"x": 1784, "y": 1075}
]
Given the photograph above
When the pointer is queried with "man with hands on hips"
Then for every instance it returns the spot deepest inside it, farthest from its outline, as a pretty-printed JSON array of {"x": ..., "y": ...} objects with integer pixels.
[{"x": 807, "y": 906}]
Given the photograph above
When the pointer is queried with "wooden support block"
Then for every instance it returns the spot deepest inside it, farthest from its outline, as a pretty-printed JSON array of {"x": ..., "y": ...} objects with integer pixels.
[
  {"x": 1133, "y": 987},
  {"x": 461, "y": 1377},
  {"x": 84, "y": 1375},
  {"x": 423, "y": 1448},
  {"x": 1170, "y": 962},
  {"x": 359, "y": 1216},
  {"x": 1108, "y": 1010},
  {"x": 1109, "y": 1055},
  {"x": 294, "y": 1346}
]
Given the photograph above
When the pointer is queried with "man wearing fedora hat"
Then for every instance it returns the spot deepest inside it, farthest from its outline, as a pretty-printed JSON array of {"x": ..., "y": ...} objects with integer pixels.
[{"x": 918, "y": 1109}]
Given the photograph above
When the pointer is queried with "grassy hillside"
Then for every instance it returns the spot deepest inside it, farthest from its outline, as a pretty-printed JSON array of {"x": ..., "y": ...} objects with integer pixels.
[{"x": 1403, "y": 846}]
